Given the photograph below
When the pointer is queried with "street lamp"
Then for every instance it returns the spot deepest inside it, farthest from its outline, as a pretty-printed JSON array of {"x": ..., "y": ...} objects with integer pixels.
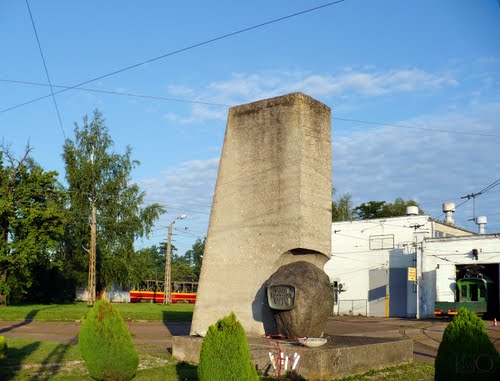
[{"x": 168, "y": 263}]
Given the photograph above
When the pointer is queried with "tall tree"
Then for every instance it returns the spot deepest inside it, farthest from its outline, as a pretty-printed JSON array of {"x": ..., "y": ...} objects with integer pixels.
[
  {"x": 342, "y": 209},
  {"x": 102, "y": 194},
  {"x": 32, "y": 217},
  {"x": 195, "y": 255},
  {"x": 382, "y": 209}
]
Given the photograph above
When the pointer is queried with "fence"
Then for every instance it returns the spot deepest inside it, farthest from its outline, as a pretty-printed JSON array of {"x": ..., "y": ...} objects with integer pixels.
[{"x": 358, "y": 307}]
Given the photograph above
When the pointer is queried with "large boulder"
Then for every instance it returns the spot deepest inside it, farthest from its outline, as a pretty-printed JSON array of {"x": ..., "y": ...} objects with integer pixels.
[{"x": 301, "y": 299}]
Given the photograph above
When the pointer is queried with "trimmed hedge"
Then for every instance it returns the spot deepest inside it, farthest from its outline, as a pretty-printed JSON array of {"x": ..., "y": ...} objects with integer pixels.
[
  {"x": 106, "y": 345},
  {"x": 225, "y": 354},
  {"x": 3, "y": 347},
  {"x": 466, "y": 352}
]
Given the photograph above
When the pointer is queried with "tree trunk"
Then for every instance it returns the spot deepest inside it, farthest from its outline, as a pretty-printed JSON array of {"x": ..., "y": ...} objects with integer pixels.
[{"x": 4, "y": 276}]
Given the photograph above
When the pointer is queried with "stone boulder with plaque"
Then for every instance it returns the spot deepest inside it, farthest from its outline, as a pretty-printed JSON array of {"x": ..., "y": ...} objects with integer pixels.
[{"x": 301, "y": 299}]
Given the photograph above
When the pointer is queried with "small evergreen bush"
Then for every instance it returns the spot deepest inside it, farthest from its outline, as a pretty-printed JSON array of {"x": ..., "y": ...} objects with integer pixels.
[
  {"x": 3, "y": 347},
  {"x": 225, "y": 355},
  {"x": 106, "y": 345},
  {"x": 466, "y": 352}
]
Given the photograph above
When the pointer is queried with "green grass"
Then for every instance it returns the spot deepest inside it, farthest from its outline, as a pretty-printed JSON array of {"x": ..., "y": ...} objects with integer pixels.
[
  {"x": 29, "y": 359},
  {"x": 41, "y": 360},
  {"x": 75, "y": 311},
  {"x": 414, "y": 371}
]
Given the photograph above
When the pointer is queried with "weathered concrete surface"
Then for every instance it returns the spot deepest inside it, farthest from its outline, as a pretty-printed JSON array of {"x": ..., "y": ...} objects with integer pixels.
[
  {"x": 272, "y": 206},
  {"x": 342, "y": 356},
  {"x": 313, "y": 300}
]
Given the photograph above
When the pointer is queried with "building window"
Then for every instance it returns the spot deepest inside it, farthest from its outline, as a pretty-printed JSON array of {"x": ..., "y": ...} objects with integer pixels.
[{"x": 382, "y": 242}]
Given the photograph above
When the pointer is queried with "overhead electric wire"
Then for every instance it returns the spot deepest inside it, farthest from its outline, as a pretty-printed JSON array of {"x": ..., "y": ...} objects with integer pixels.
[
  {"x": 207, "y": 103},
  {"x": 155, "y": 97},
  {"x": 416, "y": 128},
  {"x": 46, "y": 70},
  {"x": 174, "y": 52},
  {"x": 489, "y": 187}
]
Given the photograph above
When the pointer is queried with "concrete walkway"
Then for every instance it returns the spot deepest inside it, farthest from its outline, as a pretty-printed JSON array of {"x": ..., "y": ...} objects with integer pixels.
[{"x": 426, "y": 334}]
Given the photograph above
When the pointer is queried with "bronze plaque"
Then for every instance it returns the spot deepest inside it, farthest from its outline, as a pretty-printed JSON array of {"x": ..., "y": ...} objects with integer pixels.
[{"x": 281, "y": 296}]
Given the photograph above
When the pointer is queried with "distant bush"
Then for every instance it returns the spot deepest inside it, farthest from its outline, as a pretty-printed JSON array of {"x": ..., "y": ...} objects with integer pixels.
[
  {"x": 225, "y": 354},
  {"x": 466, "y": 352},
  {"x": 106, "y": 345},
  {"x": 3, "y": 347}
]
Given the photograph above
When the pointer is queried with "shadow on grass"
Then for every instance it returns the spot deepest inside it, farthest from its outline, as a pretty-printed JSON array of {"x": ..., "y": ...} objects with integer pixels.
[
  {"x": 186, "y": 371},
  {"x": 178, "y": 323},
  {"x": 52, "y": 363},
  {"x": 27, "y": 319},
  {"x": 12, "y": 363}
]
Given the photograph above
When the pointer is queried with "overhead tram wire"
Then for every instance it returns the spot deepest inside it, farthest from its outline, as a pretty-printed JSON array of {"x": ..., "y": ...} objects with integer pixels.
[
  {"x": 416, "y": 128},
  {"x": 46, "y": 70},
  {"x": 168, "y": 99},
  {"x": 175, "y": 52},
  {"x": 154, "y": 97}
]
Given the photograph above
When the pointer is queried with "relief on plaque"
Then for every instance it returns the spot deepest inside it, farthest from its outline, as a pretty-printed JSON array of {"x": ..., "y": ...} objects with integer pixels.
[{"x": 281, "y": 296}]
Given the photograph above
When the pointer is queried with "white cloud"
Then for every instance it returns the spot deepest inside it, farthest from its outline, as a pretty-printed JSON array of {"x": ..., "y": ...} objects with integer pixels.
[
  {"x": 384, "y": 163},
  {"x": 347, "y": 84},
  {"x": 179, "y": 90}
]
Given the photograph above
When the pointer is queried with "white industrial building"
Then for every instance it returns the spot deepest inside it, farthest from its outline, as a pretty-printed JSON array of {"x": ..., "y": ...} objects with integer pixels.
[
  {"x": 442, "y": 258},
  {"x": 370, "y": 261}
]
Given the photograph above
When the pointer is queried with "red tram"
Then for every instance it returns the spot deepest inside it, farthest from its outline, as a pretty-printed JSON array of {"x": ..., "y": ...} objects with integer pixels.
[{"x": 153, "y": 291}]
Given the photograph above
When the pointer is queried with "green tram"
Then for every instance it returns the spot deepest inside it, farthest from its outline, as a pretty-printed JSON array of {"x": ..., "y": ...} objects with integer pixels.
[{"x": 471, "y": 293}]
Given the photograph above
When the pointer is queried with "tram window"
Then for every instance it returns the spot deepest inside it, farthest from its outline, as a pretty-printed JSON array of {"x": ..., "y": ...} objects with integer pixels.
[
  {"x": 482, "y": 292},
  {"x": 195, "y": 287},
  {"x": 189, "y": 287},
  {"x": 463, "y": 293},
  {"x": 473, "y": 293}
]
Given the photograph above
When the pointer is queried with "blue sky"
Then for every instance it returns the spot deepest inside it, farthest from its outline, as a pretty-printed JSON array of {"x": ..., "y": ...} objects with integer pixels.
[{"x": 433, "y": 65}]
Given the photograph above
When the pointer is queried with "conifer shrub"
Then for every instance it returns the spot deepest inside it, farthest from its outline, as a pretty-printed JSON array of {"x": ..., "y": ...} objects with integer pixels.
[
  {"x": 106, "y": 345},
  {"x": 225, "y": 354},
  {"x": 466, "y": 352},
  {"x": 3, "y": 347}
]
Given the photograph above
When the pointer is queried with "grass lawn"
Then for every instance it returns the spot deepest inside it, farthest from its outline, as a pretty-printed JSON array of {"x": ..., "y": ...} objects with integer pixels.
[
  {"x": 75, "y": 311},
  {"x": 29, "y": 359},
  {"x": 41, "y": 360},
  {"x": 415, "y": 371}
]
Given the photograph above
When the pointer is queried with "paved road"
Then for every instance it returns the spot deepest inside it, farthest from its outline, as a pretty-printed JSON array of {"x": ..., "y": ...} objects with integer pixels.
[{"x": 426, "y": 334}]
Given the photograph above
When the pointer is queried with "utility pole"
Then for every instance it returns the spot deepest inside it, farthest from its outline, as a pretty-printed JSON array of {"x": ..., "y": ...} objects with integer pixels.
[
  {"x": 92, "y": 252},
  {"x": 168, "y": 268},
  {"x": 92, "y": 257},
  {"x": 167, "y": 289}
]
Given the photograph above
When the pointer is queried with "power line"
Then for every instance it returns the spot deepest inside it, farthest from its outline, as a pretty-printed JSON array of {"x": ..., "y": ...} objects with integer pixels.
[
  {"x": 155, "y": 97},
  {"x": 416, "y": 128},
  {"x": 207, "y": 103},
  {"x": 46, "y": 70},
  {"x": 190, "y": 47}
]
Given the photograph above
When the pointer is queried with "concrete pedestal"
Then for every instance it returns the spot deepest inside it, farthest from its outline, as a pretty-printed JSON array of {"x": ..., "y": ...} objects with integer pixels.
[{"x": 342, "y": 356}]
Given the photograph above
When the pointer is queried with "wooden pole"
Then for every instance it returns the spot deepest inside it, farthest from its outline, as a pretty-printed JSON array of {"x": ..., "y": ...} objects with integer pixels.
[
  {"x": 92, "y": 251},
  {"x": 92, "y": 258},
  {"x": 168, "y": 268}
]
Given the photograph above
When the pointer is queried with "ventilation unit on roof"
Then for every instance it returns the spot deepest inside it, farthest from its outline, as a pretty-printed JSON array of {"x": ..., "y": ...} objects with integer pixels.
[
  {"x": 448, "y": 210},
  {"x": 481, "y": 221},
  {"x": 412, "y": 210}
]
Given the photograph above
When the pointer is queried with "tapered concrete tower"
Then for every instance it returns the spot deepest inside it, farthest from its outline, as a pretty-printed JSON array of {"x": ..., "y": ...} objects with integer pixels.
[{"x": 272, "y": 206}]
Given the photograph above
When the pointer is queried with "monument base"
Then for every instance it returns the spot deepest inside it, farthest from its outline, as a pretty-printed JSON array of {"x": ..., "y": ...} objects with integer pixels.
[{"x": 341, "y": 356}]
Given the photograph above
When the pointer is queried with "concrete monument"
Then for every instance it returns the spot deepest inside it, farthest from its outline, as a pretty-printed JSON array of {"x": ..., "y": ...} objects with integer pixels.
[{"x": 271, "y": 207}]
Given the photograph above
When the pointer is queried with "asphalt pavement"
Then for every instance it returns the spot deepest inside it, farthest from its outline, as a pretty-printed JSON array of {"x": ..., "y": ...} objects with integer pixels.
[{"x": 426, "y": 334}]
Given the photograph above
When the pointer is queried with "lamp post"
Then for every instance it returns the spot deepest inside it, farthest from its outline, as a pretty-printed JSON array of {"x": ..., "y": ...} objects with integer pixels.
[{"x": 168, "y": 263}]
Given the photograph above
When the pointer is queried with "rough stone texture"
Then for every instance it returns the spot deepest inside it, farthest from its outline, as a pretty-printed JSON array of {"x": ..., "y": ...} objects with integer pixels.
[
  {"x": 313, "y": 300},
  {"x": 272, "y": 206},
  {"x": 342, "y": 356}
]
